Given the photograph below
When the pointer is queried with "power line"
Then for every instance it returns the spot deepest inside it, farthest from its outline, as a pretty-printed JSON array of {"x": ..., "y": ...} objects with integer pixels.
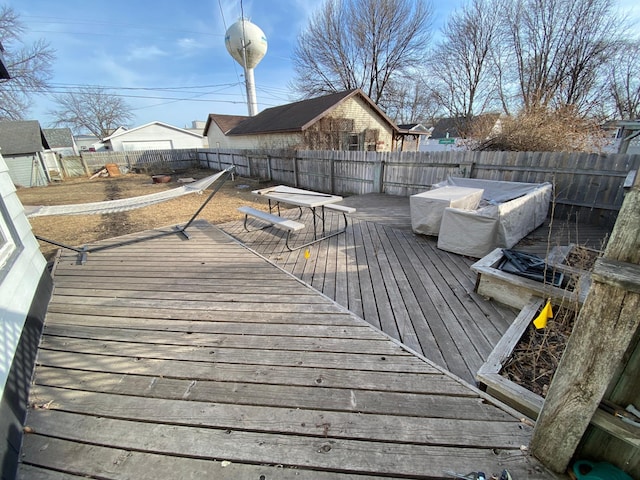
[
  {"x": 192, "y": 99},
  {"x": 92, "y": 23},
  {"x": 235, "y": 70},
  {"x": 77, "y": 88}
]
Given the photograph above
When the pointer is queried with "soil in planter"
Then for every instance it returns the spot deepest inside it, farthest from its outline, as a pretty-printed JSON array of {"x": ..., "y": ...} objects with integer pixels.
[
  {"x": 535, "y": 358},
  {"x": 582, "y": 258}
]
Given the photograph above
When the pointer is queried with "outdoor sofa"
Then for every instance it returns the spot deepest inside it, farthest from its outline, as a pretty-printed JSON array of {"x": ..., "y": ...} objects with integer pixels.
[{"x": 507, "y": 212}]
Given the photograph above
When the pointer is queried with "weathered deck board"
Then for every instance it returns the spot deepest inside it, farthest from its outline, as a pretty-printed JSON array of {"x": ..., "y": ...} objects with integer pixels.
[
  {"x": 401, "y": 283},
  {"x": 134, "y": 381},
  {"x": 273, "y": 447},
  {"x": 252, "y": 418}
]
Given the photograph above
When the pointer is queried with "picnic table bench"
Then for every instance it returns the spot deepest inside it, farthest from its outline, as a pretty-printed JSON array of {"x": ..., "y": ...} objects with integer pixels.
[{"x": 301, "y": 198}]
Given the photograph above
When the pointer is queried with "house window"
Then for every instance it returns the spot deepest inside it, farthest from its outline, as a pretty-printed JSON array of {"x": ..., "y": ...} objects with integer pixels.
[
  {"x": 4, "y": 246},
  {"x": 354, "y": 143},
  {"x": 10, "y": 245}
]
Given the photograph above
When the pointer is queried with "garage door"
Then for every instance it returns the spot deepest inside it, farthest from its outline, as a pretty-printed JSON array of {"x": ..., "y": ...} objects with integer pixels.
[{"x": 147, "y": 145}]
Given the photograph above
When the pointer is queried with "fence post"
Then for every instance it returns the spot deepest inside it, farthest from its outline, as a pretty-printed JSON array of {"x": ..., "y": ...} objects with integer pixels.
[
  {"x": 84, "y": 165},
  {"x": 378, "y": 174},
  {"x": 331, "y": 175},
  {"x": 295, "y": 171},
  {"x": 269, "y": 167},
  {"x": 605, "y": 329}
]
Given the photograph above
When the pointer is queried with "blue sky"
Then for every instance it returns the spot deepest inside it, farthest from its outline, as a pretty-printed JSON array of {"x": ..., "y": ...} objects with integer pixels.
[{"x": 169, "y": 57}]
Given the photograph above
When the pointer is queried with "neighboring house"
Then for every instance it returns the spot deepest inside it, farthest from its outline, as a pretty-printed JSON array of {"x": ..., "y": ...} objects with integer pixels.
[
  {"x": 117, "y": 131},
  {"x": 25, "y": 290},
  {"x": 61, "y": 141},
  {"x": 4, "y": 73},
  {"x": 152, "y": 136},
  {"x": 88, "y": 143},
  {"x": 450, "y": 133},
  {"x": 23, "y": 145},
  {"x": 197, "y": 126},
  {"x": 411, "y": 136},
  {"x": 623, "y": 136},
  {"x": 341, "y": 121}
]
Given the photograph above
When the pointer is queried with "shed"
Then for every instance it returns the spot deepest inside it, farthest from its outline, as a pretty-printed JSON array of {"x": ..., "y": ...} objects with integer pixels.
[
  {"x": 61, "y": 141},
  {"x": 152, "y": 136},
  {"x": 22, "y": 144}
]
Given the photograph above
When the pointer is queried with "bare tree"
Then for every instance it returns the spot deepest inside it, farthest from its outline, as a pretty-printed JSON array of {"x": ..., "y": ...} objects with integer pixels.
[
  {"x": 91, "y": 109},
  {"x": 559, "y": 47},
  {"x": 410, "y": 101},
  {"x": 29, "y": 67},
  {"x": 541, "y": 130},
  {"x": 623, "y": 81},
  {"x": 361, "y": 44},
  {"x": 461, "y": 64}
]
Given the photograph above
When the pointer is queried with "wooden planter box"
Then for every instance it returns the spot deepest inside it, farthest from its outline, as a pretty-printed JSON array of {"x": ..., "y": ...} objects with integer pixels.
[
  {"x": 500, "y": 387},
  {"x": 518, "y": 292},
  {"x": 524, "y": 400}
]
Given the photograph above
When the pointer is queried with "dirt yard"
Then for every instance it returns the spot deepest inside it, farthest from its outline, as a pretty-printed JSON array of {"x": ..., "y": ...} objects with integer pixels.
[{"x": 77, "y": 230}]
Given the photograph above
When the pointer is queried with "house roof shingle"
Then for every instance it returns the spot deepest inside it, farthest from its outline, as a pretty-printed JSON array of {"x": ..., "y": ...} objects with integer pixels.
[
  {"x": 120, "y": 131},
  {"x": 224, "y": 122},
  {"x": 21, "y": 136},
  {"x": 292, "y": 117},
  {"x": 58, "y": 137}
]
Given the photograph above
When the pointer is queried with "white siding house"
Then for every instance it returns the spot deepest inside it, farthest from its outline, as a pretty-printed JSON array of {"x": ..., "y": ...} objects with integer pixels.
[
  {"x": 153, "y": 136},
  {"x": 25, "y": 290}
]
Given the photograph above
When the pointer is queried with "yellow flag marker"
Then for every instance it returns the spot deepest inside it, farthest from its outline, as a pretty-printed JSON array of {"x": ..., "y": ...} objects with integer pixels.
[
  {"x": 307, "y": 254},
  {"x": 545, "y": 314}
]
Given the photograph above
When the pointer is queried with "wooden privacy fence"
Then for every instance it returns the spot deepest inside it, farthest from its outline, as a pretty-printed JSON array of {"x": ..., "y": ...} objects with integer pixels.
[
  {"x": 144, "y": 160},
  {"x": 587, "y": 186}
]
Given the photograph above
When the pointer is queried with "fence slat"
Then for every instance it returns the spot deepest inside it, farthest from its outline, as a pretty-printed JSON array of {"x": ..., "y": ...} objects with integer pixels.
[{"x": 588, "y": 185}]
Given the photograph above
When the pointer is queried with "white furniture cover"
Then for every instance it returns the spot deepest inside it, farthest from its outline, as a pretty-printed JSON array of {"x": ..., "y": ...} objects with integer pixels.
[
  {"x": 427, "y": 207},
  {"x": 507, "y": 213}
]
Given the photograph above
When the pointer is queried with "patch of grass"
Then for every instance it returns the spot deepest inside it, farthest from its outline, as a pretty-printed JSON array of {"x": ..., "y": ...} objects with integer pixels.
[{"x": 77, "y": 230}]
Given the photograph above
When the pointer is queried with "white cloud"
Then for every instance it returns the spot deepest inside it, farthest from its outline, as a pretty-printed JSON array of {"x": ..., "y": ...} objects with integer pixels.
[
  {"x": 190, "y": 44},
  {"x": 114, "y": 73},
  {"x": 143, "y": 53}
]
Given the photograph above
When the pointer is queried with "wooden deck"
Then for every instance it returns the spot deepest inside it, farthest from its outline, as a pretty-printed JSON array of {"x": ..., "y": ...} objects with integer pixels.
[
  {"x": 401, "y": 283},
  {"x": 200, "y": 359}
]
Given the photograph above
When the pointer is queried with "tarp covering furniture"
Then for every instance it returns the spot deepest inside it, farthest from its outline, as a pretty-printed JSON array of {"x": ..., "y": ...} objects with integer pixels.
[
  {"x": 507, "y": 213},
  {"x": 427, "y": 207}
]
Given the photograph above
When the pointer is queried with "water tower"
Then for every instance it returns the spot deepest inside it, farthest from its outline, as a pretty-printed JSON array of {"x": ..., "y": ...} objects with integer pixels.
[{"x": 247, "y": 44}]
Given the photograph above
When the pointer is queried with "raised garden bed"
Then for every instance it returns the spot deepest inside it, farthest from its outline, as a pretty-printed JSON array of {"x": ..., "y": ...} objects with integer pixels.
[
  {"x": 521, "y": 366},
  {"x": 522, "y": 382},
  {"x": 518, "y": 292}
]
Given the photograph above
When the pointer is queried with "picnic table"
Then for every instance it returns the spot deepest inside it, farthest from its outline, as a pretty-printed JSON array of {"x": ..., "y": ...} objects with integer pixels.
[{"x": 317, "y": 202}]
